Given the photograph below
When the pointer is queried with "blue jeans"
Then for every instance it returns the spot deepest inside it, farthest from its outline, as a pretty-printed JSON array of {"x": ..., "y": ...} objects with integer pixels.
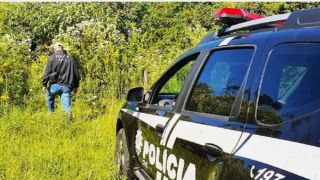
[{"x": 64, "y": 92}]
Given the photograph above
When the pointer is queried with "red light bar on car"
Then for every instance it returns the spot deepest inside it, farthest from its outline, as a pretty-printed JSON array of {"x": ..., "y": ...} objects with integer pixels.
[{"x": 231, "y": 16}]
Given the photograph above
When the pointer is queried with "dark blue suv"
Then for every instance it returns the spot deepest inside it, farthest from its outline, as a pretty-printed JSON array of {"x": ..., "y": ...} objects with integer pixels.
[{"x": 245, "y": 105}]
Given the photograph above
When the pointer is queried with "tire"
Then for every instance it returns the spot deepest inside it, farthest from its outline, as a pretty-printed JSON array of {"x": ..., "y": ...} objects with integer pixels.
[{"x": 122, "y": 156}]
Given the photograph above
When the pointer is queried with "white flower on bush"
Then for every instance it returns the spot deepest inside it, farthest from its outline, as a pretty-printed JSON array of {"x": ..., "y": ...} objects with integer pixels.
[{"x": 138, "y": 142}]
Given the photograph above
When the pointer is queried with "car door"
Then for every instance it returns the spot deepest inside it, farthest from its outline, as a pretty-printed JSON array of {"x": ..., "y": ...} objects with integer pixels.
[
  {"x": 154, "y": 115},
  {"x": 203, "y": 137},
  {"x": 280, "y": 140}
]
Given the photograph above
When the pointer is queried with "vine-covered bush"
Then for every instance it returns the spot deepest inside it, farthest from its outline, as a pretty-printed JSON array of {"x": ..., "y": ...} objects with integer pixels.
[{"x": 117, "y": 45}]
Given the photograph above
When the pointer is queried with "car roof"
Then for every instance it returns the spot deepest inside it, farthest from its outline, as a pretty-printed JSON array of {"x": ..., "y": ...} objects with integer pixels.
[
  {"x": 306, "y": 34},
  {"x": 290, "y": 25},
  {"x": 300, "y": 26}
]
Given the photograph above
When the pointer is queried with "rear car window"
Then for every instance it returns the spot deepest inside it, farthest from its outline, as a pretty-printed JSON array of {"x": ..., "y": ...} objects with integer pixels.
[
  {"x": 290, "y": 86},
  {"x": 219, "y": 82}
]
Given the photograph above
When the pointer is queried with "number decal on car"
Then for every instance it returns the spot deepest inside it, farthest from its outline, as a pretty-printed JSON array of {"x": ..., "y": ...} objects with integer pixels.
[{"x": 265, "y": 174}]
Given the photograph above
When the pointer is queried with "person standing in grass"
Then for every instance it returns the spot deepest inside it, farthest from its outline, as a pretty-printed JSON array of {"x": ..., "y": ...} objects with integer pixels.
[{"x": 61, "y": 77}]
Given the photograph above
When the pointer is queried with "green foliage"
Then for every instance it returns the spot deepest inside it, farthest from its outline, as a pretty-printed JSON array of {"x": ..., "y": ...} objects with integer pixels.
[
  {"x": 175, "y": 83},
  {"x": 35, "y": 145},
  {"x": 117, "y": 45},
  {"x": 13, "y": 70}
]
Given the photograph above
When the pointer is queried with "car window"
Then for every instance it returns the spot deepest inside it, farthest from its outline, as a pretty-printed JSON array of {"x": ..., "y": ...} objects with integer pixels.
[
  {"x": 290, "y": 77},
  {"x": 290, "y": 88},
  {"x": 219, "y": 82},
  {"x": 172, "y": 82},
  {"x": 175, "y": 83}
]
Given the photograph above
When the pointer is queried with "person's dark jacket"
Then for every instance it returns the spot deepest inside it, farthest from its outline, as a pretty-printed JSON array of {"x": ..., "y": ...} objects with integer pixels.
[{"x": 68, "y": 74}]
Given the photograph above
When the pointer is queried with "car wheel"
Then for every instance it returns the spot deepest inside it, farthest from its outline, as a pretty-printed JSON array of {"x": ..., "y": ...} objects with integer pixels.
[{"x": 122, "y": 156}]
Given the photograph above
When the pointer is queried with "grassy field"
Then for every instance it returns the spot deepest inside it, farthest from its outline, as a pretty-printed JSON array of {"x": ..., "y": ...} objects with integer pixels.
[{"x": 36, "y": 145}]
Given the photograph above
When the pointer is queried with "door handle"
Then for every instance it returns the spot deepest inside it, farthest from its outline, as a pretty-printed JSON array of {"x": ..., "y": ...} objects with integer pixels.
[
  {"x": 213, "y": 149},
  {"x": 159, "y": 128}
]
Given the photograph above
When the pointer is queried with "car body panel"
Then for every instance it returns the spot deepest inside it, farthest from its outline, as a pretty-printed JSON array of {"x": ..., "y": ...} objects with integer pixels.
[{"x": 280, "y": 148}]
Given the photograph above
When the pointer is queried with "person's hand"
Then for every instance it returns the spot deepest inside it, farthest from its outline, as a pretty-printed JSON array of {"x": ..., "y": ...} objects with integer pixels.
[
  {"x": 44, "y": 88},
  {"x": 75, "y": 91}
]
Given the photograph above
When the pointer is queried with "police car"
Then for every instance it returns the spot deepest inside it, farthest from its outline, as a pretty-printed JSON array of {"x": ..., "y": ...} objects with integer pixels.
[{"x": 245, "y": 105}]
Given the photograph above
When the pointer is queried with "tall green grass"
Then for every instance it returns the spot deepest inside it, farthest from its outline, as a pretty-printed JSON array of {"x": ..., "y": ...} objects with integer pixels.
[{"x": 38, "y": 145}]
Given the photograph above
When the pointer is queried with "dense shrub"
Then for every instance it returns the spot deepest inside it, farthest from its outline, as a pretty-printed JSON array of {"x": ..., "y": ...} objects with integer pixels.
[{"x": 117, "y": 45}]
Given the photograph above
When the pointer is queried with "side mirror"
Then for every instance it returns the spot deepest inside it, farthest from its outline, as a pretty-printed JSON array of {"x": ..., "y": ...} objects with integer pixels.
[{"x": 135, "y": 95}]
